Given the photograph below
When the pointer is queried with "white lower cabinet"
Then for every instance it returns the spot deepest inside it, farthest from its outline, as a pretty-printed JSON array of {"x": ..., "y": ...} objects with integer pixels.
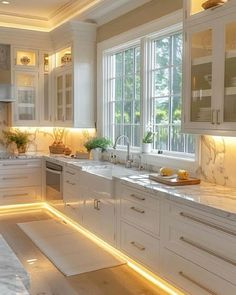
[
  {"x": 191, "y": 278},
  {"x": 10, "y": 196},
  {"x": 140, "y": 246},
  {"x": 20, "y": 181},
  {"x": 99, "y": 216}
]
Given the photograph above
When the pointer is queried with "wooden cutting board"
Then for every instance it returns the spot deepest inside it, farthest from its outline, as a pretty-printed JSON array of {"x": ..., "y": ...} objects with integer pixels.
[{"x": 173, "y": 180}]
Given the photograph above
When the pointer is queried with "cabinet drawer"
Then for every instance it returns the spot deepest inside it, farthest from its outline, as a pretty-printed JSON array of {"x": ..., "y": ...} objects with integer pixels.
[
  {"x": 204, "y": 241},
  {"x": 192, "y": 278},
  {"x": 140, "y": 246},
  {"x": 19, "y": 195},
  {"x": 139, "y": 197},
  {"x": 19, "y": 164},
  {"x": 142, "y": 216},
  {"x": 20, "y": 177}
]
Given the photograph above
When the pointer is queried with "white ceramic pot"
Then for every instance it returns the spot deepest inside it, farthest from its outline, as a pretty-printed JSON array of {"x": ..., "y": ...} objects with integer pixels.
[
  {"x": 96, "y": 154},
  {"x": 146, "y": 148}
]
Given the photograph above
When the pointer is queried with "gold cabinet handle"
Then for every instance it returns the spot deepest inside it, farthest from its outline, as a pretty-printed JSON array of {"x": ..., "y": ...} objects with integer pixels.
[
  {"x": 138, "y": 197},
  {"x": 138, "y": 246},
  {"x": 71, "y": 183},
  {"x": 137, "y": 210},
  {"x": 212, "y": 117},
  {"x": 209, "y": 224},
  {"x": 206, "y": 250},
  {"x": 218, "y": 117},
  {"x": 14, "y": 178},
  {"x": 182, "y": 274},
  {"x": 16, "y": 195},
  {"x": 71, "y": 173}
]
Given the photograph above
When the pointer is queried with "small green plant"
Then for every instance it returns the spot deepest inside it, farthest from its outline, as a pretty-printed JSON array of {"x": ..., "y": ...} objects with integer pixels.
[
  {"x": 16, "y": 136},
  {"x": 148, "y": 137},
  {"x": 97, "y": 142}
]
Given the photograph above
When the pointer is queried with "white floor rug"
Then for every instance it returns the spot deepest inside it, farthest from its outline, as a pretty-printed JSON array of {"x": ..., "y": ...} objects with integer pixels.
[{"x": 71, "y": 252}]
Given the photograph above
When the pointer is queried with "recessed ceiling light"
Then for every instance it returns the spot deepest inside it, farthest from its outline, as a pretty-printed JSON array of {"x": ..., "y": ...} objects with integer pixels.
[{"x": 5, "y": 2}]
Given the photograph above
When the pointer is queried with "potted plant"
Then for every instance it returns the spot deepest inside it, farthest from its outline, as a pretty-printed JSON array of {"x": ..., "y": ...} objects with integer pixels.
[
  {"x": 97, "y": 145},
  {"x": 147, "y": 142},
  {"x": 19, "y": 138}
]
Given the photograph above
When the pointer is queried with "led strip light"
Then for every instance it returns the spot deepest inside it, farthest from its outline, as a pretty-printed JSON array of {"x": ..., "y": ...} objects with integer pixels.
[{"x": 159, "y": 282}]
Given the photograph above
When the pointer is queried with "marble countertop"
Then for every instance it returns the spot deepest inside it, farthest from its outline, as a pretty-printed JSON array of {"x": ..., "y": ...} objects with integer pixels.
[
  {"x": 216, "y": 199},
  {"x": 212, "y": 198},
  {"x": 13, "y": 277}
]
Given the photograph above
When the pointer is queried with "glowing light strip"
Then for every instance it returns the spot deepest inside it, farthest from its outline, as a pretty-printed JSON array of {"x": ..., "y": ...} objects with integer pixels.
[
  {"x": 159, "y": 282},
  {"x": 38, "y": 205},
  {"x": 148, "y": 275}
]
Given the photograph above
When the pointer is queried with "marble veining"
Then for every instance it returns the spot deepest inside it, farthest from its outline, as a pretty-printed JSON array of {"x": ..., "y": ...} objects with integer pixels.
[
  {"x": 216, "y": 199},
  {"x": 13, "y": 277},
  {"x": 207, "y": 196}
]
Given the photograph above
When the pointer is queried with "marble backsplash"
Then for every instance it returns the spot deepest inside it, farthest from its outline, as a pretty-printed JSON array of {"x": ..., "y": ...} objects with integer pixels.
[{"x": 218, "y": 160}]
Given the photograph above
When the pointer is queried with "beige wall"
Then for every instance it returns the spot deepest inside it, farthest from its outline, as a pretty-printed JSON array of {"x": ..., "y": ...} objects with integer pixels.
[{"x": 141, "y": 15}]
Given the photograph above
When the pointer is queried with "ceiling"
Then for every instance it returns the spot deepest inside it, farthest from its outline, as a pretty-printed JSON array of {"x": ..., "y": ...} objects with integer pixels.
[{"x": 45, "y": 15}]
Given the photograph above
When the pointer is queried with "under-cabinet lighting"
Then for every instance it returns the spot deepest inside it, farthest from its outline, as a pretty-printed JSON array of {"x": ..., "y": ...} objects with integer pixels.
[{"x": 5, "y": 2}]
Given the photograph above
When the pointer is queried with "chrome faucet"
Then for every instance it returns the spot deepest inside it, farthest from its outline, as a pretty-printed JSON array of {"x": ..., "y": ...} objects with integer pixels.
[{"x": 128, "y": 159}]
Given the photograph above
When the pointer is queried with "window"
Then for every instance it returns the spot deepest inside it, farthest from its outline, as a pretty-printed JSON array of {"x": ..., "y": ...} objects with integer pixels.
[
  {"x": 166, "y": 95},
  {"x": 124, "y": 94},
  {"x": 142, "y": 89}
]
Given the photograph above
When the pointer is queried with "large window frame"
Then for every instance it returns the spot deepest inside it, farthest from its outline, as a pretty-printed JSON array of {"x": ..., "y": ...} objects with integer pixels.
[{"x": 144, "y": 37}]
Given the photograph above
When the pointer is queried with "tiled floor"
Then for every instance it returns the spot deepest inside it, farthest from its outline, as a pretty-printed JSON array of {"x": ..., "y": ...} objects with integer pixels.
[{"x": 47, "y": 280}]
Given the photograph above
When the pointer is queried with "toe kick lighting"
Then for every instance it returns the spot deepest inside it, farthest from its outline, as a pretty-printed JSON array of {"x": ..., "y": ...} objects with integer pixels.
[
  {"x": 148, "y": 275},
  {"x": 159, "y": 282}
]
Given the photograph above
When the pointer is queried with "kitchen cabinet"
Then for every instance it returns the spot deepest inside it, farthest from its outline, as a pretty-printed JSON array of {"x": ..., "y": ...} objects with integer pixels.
[
  {"x": 20, "y": 181},
  {"x": 64, "y": 97},
  {"x": 72, "y": 194},
  {"x": 32, "y": 89},
  {"x": 209, "y": 71},
  {"x": 74, "y": 84},
  {"x": 26, "y": 93},
  {"x": 138, "y": 225},
  {"x": 198, "y": 243}
]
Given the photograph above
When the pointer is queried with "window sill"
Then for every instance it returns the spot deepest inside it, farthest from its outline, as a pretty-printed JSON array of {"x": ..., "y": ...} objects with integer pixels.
[{"x": 159, "y": 160}]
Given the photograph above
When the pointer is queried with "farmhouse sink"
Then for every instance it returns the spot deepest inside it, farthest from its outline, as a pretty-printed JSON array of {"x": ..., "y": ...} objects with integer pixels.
[{"x": 111, "y": 170}]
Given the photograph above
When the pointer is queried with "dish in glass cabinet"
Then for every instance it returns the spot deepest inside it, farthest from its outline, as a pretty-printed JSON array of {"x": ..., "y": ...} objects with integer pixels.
[
  {"x": 66, "y": 58},
  {"x": 213, "y": 3},
  {"x": 25, "y": 60}
]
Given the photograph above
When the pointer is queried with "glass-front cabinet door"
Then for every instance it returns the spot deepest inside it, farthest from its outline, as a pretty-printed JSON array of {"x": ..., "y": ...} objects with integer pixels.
[
  {"x": 229, "y": 100},
  {"x": 26, "y": 87},
  {"x": 64, "y": 97},
  {"x": 59, "y": 97},
  {"x": 199, "y": 69}
]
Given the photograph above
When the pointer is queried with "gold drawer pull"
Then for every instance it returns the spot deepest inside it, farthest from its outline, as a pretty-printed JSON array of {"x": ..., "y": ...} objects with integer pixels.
[
  {"x": 138, "y": 246},
  {"x": 209, "y": 224},
  {"x": 211, "y": 252},
  {"x": 138, "y": 197},
  {"x": 71, "y": 173},
  {"x": 197, "y": 283},
  {"x": 71, "y": 183},
  {"x": 15, "y": 164},
  {"x": 137, "y": 210},
  {"x": 14, "y": 178},
  {"x": 16, "y": 195}
]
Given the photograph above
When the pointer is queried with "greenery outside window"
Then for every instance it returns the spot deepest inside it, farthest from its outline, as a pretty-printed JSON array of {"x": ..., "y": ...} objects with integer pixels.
[
  {"x": 142, "y": 91},
  {"x": 166, "y": 95},
  {"x": 123, "y": 83}
]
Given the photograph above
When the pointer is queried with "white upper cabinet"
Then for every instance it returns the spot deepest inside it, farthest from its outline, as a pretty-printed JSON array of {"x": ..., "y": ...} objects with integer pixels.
[
  {"x": 55, "y": 86},
  {"x": 74, "y": 75},
  {"x": 210, "y": 70}
]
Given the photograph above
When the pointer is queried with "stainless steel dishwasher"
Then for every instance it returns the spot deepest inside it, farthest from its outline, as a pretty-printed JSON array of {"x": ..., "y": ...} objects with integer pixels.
[{"x": 54, "y": 181}]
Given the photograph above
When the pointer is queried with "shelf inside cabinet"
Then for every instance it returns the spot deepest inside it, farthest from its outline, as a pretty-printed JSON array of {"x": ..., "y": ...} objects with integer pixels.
[
  {"x": 201, "y": 93},
  {"x": 230, "y": 90},
  {"x": 231, "y": 54},
  {"x": 202, "y": 60}
]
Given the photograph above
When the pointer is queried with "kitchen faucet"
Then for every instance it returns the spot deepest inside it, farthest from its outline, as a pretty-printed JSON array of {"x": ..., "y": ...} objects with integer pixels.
[{"x": 128, "y": 160}]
